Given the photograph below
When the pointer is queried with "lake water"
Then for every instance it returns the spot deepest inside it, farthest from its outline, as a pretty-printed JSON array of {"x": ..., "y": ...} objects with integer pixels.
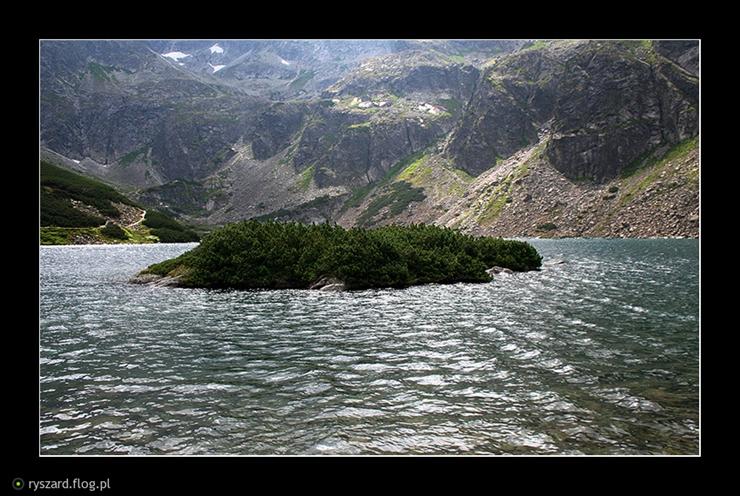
[{"x": 597, "y": 355}]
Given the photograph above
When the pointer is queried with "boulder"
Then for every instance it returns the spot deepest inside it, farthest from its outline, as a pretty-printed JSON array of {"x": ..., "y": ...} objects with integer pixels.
[
  {"x": 498, "y": 270},
  {"x": 155, "y": 280},
  {"x": 328, "y": 284},
  {"x": 333, "y": 287},
  {"x": 144, "y": 278}
]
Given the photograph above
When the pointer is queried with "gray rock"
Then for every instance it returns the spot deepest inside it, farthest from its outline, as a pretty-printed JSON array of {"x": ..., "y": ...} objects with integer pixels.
[
  {"x": 328, "y": 284},
  {"x": 333, "y": 287},
  {"x": 498, "y": 270},
  {"x": 168, "y": 281},
  {"x": 594, "y": 134},
  {"x": 155, "y": 280},
  {"x": 144, "y": 278}
]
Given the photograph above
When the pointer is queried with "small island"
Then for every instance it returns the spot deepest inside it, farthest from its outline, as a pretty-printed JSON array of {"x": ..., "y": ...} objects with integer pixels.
[{"x": 273, "y": 255}]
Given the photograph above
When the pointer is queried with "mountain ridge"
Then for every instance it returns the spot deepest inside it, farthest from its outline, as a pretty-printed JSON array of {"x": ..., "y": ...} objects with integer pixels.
[{"x": 598, "y": 112}]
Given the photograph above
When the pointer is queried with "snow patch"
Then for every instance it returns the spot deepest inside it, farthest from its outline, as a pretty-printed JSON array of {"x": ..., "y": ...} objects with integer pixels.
[
  {"x": 216, "y": 68},
  {"x": 175, "y": 55},
  {"x": 216, "y": 49}
]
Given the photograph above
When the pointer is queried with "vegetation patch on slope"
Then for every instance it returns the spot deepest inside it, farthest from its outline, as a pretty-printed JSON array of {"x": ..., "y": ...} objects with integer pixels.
[
  {"x": 359, "y": 194},
  {"x": 502, "y": 194},
  {"x": 100, "y": 72},
  {"x": 649, "y": 159},
  {"x": 437, "y": 177},
  {"x": 167, "y": 229},
  {"x": 400, "y": 196},
  {"x": 131, "y": 156},
  {"x": 414, "y": 169},
  {"x": 60, "y": 186},
  {"x": 113, "y": 231},
  {"x": 251, "y": 254},
  {"x": 451, "y": 105},
  {"x": 653, "y": 169},
  {"x": 306, "y": 177}
]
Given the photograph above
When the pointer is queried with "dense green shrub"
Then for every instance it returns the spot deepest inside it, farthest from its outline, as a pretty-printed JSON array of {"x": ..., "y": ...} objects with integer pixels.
[
  {"x": 167, "y": 229},
  {"x": 167, "y": 235},
  {"x": 57, "y": 210},
  {"x": 288, "y": 255},
  {"x": 113, "y": 231},
  {"x": 156, "y": 219},
  {"x": 60, "y": 183}
]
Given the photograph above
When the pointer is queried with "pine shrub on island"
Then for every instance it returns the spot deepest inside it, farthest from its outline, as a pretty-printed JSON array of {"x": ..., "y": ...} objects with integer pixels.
[{"x": 254, "y": 254}]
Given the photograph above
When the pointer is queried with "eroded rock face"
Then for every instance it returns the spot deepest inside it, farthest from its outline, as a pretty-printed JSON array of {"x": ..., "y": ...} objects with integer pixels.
[
  {"x": 615, "y": 109},
  {"x": 685, "y": 53},
  {"x": 134, "y": 112},
  {"x": 607, "y": 104},
  {"x": 345, "y": 146},
  {"x": 494, "y": 126},
  {"x": 363, "y": 154},
  {"x": 275, "y": 127},
  {"x": 409, "y": 72}
]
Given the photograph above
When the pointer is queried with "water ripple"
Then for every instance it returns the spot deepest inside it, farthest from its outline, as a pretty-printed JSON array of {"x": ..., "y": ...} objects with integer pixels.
[{"x": 595, "y": 355}]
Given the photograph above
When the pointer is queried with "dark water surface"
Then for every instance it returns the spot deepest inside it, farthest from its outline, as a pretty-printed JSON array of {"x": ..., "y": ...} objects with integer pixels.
[{"x": 598, "y": 355}]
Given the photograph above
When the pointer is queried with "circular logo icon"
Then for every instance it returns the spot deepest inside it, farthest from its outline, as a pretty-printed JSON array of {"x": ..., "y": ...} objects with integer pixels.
[{"x": 18, "y": 484}]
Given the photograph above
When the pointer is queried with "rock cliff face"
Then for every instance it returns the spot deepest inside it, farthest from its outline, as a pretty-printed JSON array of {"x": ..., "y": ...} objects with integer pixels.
[
  {"x": 608, "y": 105},
  {"x": 527, "y": 196},
  {"x": 138, "y": 115},
  {"x": 365, "y": 124},
  {"x": 546, "y": 138},
  {"x": 409, "y": 72}
]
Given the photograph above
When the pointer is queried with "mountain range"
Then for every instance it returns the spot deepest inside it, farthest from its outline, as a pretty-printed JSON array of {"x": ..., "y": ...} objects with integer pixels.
[{"x": 499, "y": 137}]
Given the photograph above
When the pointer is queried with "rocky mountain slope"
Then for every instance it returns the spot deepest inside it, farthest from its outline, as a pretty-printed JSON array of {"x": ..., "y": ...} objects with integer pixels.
[
  {"x": 147, "y": 113},
  {"x": 545, "y": 138},
  {"x": 134, "y": 117},
  {"x": 606, "y": 105}
]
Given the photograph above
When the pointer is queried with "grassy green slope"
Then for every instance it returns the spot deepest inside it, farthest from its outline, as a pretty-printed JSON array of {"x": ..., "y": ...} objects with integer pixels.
[
  {"x": 97, "y": 222},
  {"x": 60, "y": 186}
]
